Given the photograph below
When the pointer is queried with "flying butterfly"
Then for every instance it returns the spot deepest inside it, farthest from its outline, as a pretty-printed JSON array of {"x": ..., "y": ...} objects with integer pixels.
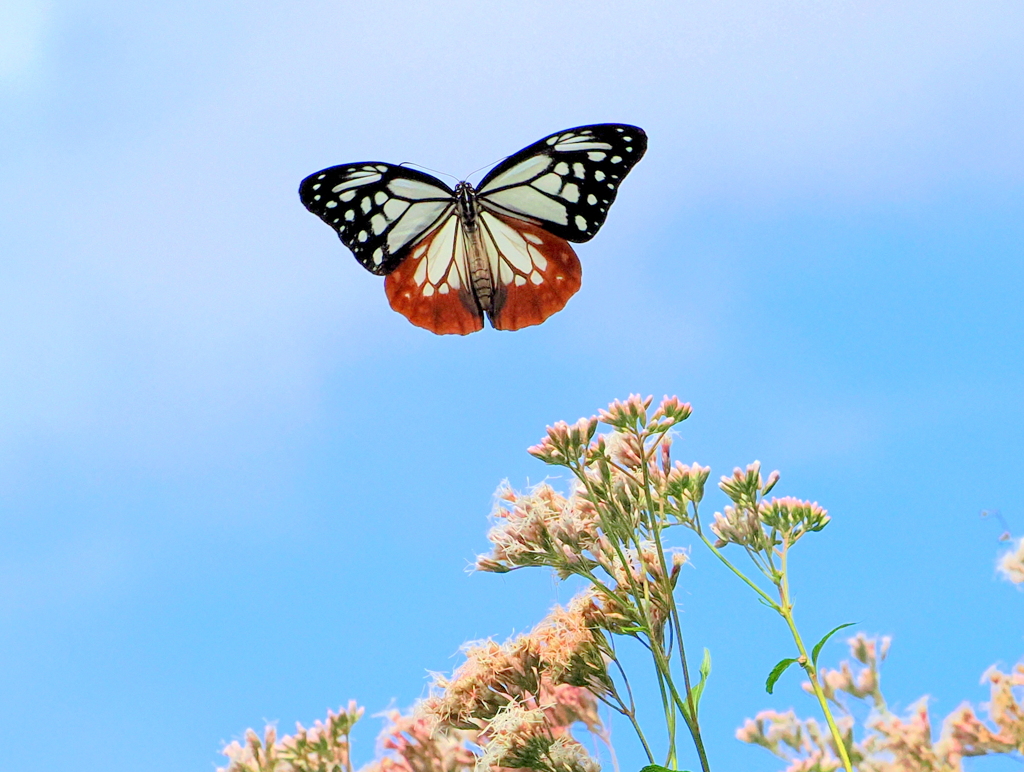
[{"x": 499, "y": 250}]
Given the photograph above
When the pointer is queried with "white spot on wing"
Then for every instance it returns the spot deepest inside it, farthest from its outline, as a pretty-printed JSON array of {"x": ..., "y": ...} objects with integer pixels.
[
  {"x": 366, "y": 205},
  {"x": 598, "y": 175},
  {"x": 538, "y": 259},
  {"x": 331, "y": 204},
  {"x": 414, "y": 223},
  {"x": 549, "y": 183},
  {"x": 379, "y": 223},
  {"x": 596, "y": 155},
  {"x": 571, "y": 193},
  {"x": 509, "y": 244},
  {"x": 348, "y": 195},
  {"x": 394, "y": 208},
  {"x": 380, "y": 197},
  {"x": 579, "y": 171},
  {"x": 581, "y": 223},
  {"x": 532, "y": 203},
  {"x": 356, "y": 180},
  {"x": 439, "y": 255},
  {"x": 505, "y": 274},
  {"x": 415, "y": 189},
  {"x": 581, "y": 143},
  {"x": 521, "y": 172}
]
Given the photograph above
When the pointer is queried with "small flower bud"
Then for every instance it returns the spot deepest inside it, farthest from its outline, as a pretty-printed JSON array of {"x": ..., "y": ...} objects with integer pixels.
[{"x": 673, "y": 410}]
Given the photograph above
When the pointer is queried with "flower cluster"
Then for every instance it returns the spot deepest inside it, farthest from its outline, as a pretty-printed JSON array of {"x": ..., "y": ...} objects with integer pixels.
[
  {"x": 521, "y": 698},
  {"x": 324, "y": 747},
  {"x": 409, "y": 743},
  {"x": 608, "y": 529},
  {"x": 514, "y": 705},
  {"x": 1011, "y": 563},
  {"x": 892, "y": 743},
  {"x": 759, "y": 525},
  {"x": 870, "y": 652},
  {"x": 804, "y": 744}
]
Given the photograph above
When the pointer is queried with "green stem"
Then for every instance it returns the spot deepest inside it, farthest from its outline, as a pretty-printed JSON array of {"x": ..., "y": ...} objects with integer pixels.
[
  {"x": 670, "y": 713},
  {"x": 629, "y": 712},
  {"x": 764, "y": 596},
  {"x": 786, "y": 610},
  {"x": 690, "y": 715},
  {"x": 640, "y": 592}
]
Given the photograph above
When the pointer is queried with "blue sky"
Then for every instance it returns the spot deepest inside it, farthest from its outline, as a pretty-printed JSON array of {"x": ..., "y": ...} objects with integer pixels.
[{"x": 236, "y": 487}]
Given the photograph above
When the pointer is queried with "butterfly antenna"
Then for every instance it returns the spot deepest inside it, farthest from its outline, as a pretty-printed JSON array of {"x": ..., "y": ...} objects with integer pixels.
[
  {"x": 995, "y": 513},
  {"x": 487, "y": 166},
  {"x": 427, "y": 168}
]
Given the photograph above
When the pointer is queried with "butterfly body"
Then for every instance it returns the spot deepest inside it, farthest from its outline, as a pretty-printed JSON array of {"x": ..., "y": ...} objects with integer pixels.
[
  {"x": 480, "y": 276},
  {"x": 500, "y": 250}
]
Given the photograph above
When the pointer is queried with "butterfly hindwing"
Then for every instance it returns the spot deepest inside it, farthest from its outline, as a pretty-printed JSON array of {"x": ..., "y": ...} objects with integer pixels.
[
  {"x": 431, "y": 286},
  {"x": 534, "y": 272},
  {"x": 567, "y": 181},
  {"x": 379, "y": 210}
]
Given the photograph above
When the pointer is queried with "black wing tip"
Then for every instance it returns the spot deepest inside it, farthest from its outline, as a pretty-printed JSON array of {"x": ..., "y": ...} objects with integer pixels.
[{"x": 618, "y": 128}]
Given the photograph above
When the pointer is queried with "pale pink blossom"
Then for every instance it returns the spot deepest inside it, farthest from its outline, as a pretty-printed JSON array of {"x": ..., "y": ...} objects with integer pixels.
[
  {"x": 1011, "y": 563},
  {"x": 626, "y": 414},
  {"x": 530, "y": 671},
  {"x": 672, "y": 409},
  {"x": 892, "y": 743},
  {"x": 325, "y": 743}
]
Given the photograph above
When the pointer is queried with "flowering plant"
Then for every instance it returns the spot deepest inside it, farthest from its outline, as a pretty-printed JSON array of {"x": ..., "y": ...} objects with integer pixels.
[
  {"x": 890, "y": 743},
  {"x": 514, "y": 705}
]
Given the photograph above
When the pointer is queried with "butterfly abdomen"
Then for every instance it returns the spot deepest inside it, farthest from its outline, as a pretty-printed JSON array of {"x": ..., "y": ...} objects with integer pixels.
[{"x": 480, "y": 278}]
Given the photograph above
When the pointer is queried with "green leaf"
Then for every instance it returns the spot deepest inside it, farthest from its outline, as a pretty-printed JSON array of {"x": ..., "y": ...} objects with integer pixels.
[
  {"x": 705, "y": 671},
  {"x": 817, "y": 647},
  {"x": 659, "y": 768},
  {"x": 776, "y": 673}
]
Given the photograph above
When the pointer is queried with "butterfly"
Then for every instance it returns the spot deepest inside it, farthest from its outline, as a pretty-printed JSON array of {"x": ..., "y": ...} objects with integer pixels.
[{"x": 501, "y": 249}]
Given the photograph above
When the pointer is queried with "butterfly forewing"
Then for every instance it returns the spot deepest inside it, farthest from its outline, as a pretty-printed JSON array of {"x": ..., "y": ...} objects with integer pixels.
[
  {"x": 567, "y": 181},
  {"x": 378, "y": 210}
]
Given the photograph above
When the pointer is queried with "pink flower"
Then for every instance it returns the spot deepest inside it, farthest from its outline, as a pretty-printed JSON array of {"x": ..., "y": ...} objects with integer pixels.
[
  {"x": 673, "y": 410},
  {"x": 1011, "y": 563},
  {"x": 626, "y": 415}
]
